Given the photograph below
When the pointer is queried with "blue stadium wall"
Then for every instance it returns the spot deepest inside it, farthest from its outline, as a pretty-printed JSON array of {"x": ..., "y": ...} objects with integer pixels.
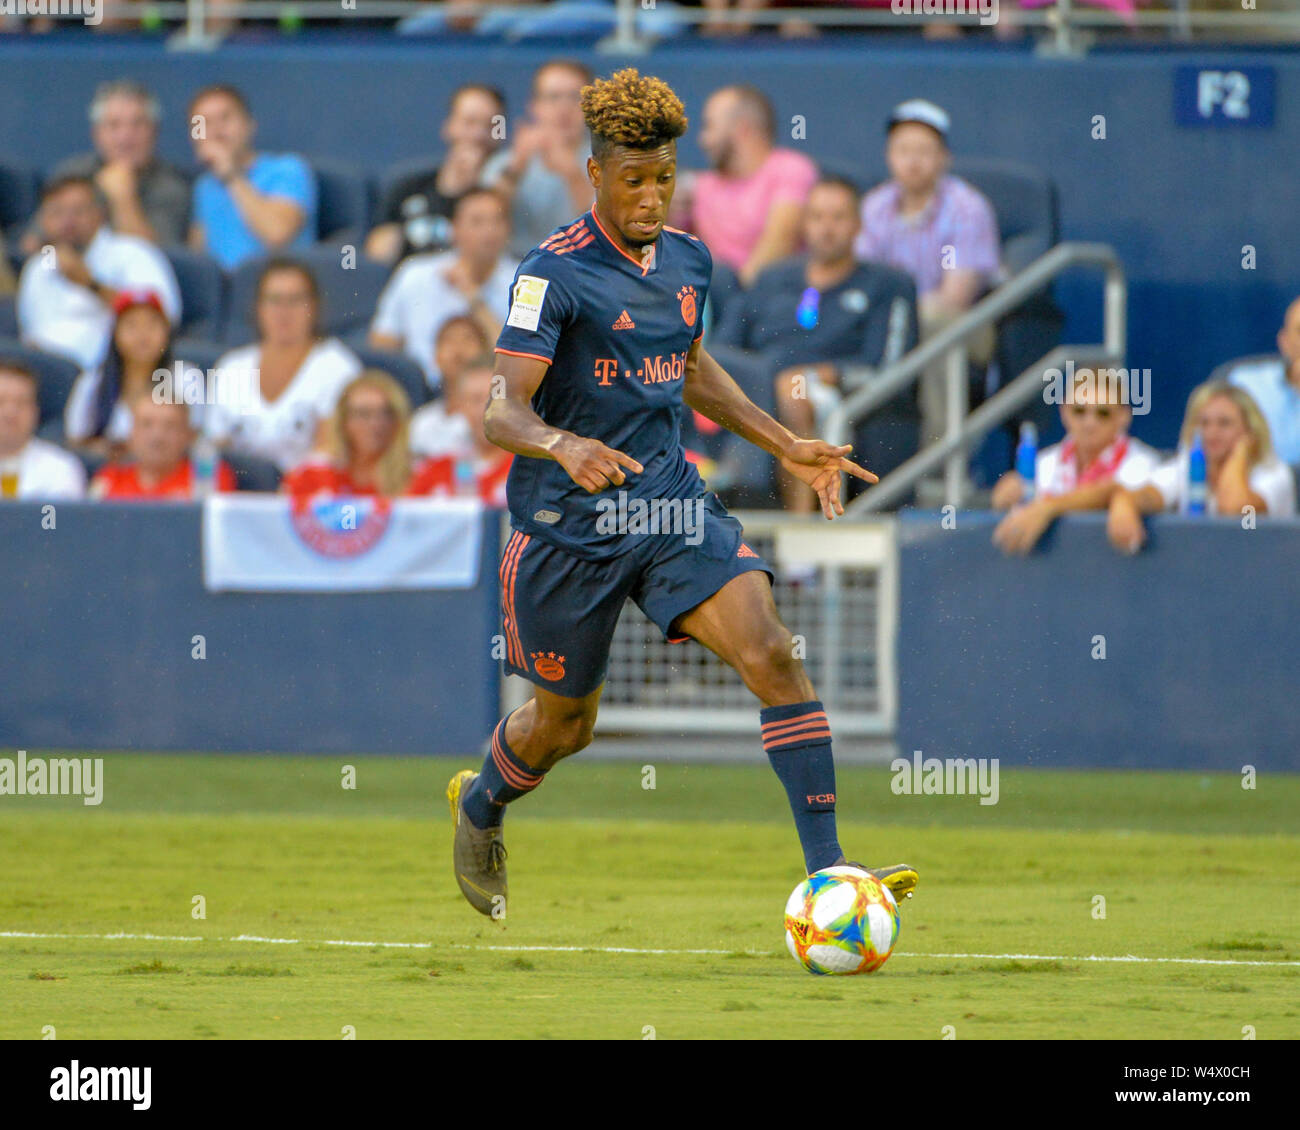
[
  {"x": 996, "y": 657},
  {"x": 1183, "y": 656},
  {"x": 97, "y": 622},
  {"x": 1177, "y": 202}
]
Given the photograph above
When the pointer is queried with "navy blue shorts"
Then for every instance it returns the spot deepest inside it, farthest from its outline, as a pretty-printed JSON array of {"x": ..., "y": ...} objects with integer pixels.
[{"x": 560, "y": 611}]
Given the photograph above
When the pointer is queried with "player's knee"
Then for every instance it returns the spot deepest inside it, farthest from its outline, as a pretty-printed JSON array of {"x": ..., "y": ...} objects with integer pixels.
[{"x": 770, "y": 656}]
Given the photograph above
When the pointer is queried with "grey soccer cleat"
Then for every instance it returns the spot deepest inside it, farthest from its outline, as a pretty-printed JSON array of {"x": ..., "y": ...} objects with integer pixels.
[{"x": 478, "y": 854}]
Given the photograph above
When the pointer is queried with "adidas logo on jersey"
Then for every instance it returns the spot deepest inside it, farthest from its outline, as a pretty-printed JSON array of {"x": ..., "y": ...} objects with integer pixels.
[{"x": 623, "y": 322}]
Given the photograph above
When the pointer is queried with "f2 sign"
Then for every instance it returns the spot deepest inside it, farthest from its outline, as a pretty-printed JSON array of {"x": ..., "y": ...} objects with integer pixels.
[{"x": 1223, "y": 97}]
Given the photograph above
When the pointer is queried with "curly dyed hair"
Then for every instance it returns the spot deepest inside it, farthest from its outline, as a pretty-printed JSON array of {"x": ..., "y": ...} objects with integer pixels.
[{"x": 632, "y": 111}]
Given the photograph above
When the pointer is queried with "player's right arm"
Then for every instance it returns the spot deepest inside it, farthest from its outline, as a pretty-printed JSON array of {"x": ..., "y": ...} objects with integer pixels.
[{"x": 511, "y": 423}]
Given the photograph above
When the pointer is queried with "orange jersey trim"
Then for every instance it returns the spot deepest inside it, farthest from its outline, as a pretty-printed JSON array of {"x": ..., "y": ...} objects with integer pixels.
[{"x": 517, "y": 353}]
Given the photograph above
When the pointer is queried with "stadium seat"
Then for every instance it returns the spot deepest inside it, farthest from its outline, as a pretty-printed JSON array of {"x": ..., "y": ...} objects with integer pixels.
[
  {"x": 397, "y": 365},
  {"x": 348, "y": 296},
  {"x": 252, "y": 473},
  {"x": 344, "y": 200},
  {"x": 56, "y": 374},
  {"x": 1025, "y": 202},
  {"x": 19, "y": 195},
  {"x": 203, "y": 292}
]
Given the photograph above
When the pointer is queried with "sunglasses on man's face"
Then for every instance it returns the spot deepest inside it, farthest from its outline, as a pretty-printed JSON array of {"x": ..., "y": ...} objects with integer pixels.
[{"x": 1101, "y": 411}]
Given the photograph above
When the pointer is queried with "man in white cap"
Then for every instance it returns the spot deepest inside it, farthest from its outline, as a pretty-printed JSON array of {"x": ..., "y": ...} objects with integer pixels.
[{"x": 939, "y": 229}]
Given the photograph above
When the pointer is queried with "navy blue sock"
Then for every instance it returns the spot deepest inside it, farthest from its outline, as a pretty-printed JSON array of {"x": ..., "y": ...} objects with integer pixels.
[
  {"x": 502, "y": 779},
  {"x": 797, "y": 739}
]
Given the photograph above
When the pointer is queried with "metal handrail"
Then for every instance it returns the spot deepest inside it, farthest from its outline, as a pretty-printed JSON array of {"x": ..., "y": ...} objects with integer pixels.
[
  {"x": 950, "y": 344},
  {"x": 1063, "y": 20},
  {"x": 999, "y": 408}
]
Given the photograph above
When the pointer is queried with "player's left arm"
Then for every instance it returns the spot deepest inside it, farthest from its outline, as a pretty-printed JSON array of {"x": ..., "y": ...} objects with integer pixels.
[{"x": 711, "y": 391}]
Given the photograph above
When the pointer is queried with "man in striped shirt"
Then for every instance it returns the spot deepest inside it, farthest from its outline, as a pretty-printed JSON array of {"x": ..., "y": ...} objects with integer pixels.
[{"x": 939, "y": 229}]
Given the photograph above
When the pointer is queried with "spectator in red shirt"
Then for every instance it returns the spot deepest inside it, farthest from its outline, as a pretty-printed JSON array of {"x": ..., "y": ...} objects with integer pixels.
[
  {"x": 159, "y": 446},
  {"x": 475, "y": 465},
  {"x": 367, "y": 448}
]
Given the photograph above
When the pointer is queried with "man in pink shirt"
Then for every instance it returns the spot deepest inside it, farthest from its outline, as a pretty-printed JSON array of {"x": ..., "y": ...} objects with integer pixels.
[{"x": 748, "y": 207}]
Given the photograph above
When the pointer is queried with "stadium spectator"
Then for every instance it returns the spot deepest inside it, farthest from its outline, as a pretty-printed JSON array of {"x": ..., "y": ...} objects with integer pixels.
[
  {"x": 940, "y": 230},
  {"x": 544, "y": 172},
  {"x": 465, "y": 461},
  {"x": 809, "y": 328},
  {"x": 473, "y": 278},
  {"x": 97, "y": 416},
  {"x": 159, "y": 448},
  {"x": 1080, "y": 473},
  {"x": 30, "y": 467},
  {"x": 415, "y": 214},
  {"x": 820, "y": 320},
  {"x": 1275, "y": 386},
  {"x": 748, "y": 207},
  {"x": 147, "y": 196},
  {"x": 435, "y": 428},
  {"x": 67, "y": 288},
  {"x": 367, "y": 450},
  {"x": 1241, "y": 469},
  {"x": 246, "y": 203},
  {"x": 273, "y": 399}
]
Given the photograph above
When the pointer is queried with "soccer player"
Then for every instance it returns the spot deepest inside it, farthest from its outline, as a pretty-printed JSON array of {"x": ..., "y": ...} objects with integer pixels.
[{"x": 600, "y": 351}]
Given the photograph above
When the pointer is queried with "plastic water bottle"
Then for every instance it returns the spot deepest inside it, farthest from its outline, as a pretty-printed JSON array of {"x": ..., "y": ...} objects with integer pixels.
[
  {"x": 808, "y": 313},
  {"x": 204, "y": 463},
  {"x": 1197, "y": 491},
  {"x": 1027, "y": 458},
  {"x": 466, "y": 479}
]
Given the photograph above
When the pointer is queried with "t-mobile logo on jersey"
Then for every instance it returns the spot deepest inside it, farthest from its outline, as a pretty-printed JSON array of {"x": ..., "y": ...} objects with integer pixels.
[{"x": 653, "y": 370}]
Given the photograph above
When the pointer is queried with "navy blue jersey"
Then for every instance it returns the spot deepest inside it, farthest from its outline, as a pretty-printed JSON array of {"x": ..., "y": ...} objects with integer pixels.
[{"x": 616, "y": 331}]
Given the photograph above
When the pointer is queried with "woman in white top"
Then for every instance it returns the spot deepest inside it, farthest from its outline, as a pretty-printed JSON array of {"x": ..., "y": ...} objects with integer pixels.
[
  {"x": 97, "y": 416},
  {"x": 273, "y": 399},
  {"x": 1080, "y": 473},
  {"x": 1240, "y": 468}
]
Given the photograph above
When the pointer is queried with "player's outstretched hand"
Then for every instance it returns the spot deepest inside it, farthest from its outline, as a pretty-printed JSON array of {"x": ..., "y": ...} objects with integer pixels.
[
  {"x": 592, "y": 465},
  {"x": 820, "y": 464}
]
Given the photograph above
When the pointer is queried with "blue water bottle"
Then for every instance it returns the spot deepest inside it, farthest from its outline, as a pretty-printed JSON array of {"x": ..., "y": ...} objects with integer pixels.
[
  {"x": 466, "y": 478},
  {"x": 1197, "y": 491},
  {"x": 204, "y": 473},
  {"x": 1027, "y": 458}
]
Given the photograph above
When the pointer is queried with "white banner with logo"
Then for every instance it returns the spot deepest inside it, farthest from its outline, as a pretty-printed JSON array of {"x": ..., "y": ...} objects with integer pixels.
[{"x": 256, "y": 543}]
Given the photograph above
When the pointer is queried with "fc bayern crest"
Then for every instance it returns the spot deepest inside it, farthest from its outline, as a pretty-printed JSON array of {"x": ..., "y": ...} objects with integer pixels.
[
  {"x": 341, "y": 527},
  {"x": 687, "y": 298}
]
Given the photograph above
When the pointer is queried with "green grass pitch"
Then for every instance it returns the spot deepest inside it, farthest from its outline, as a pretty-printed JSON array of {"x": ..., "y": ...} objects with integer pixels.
[{"x": 1191, "y": 867}]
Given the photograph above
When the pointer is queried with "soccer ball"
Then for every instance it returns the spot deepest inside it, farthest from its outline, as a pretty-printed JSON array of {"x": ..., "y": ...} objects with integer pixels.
[{"x": 841, "y": 920}]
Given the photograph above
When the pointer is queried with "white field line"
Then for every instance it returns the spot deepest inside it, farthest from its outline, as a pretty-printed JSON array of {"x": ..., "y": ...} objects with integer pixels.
[{"x": 254, "y": 939}]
